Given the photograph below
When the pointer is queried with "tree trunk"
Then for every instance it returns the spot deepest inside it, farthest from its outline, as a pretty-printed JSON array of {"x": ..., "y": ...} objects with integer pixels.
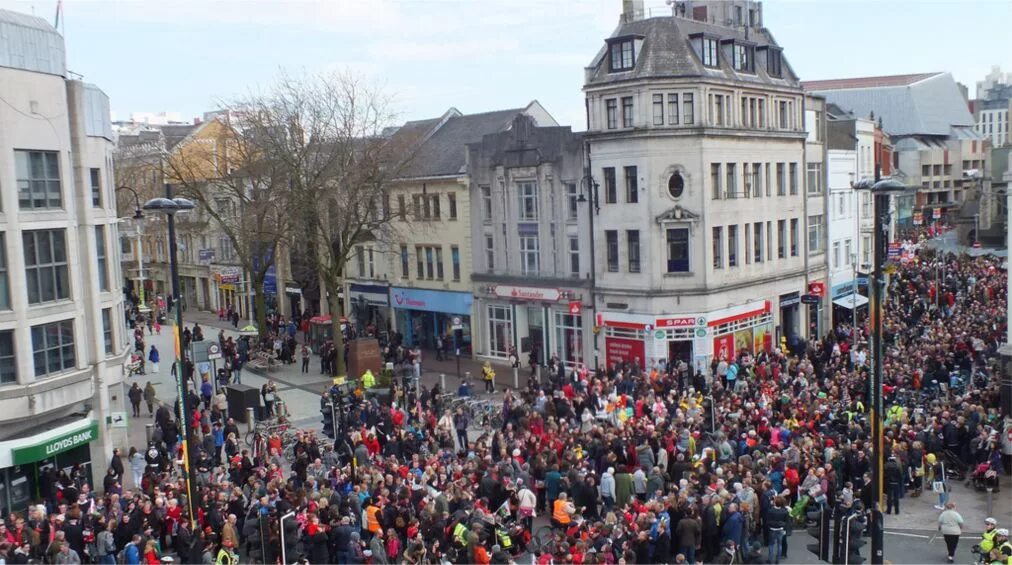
[
  {"x": 260, "y": 306},
  {"x": 338, "y": 369}
]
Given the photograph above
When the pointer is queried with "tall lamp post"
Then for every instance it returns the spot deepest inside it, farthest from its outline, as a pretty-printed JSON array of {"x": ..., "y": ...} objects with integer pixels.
[
  {"x": 589, "y": 195},
  {"x": 881, "y": 192},
  {"x": 138, "y": 217},
  {"x": 170, "y": 207}
]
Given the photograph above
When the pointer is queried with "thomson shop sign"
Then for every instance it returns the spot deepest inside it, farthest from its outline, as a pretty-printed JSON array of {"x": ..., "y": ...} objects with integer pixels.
[{"x": 66, "y": 441}]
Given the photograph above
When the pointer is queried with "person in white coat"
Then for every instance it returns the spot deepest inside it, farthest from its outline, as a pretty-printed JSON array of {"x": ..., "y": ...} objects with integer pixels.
[
  {"x": 527, "y": 502},
  {"x": 607, "y": 488}
]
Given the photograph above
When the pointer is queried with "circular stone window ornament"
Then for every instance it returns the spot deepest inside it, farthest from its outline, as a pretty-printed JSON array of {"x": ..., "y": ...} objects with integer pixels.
[{"x": 676, "y": 185}]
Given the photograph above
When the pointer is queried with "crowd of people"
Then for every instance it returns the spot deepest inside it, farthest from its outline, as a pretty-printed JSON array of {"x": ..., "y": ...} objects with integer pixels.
[{"x": 625, "y": 464}]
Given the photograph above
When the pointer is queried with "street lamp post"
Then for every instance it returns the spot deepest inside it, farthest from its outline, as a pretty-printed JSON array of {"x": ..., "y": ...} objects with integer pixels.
[
  {"x": 138, "y": 218},
  {"x": 853, "y": 304},
  {"x": 170, "y": 207},
  {"x": 589, "y": 195},
  {"x": 882, "y": 192}
]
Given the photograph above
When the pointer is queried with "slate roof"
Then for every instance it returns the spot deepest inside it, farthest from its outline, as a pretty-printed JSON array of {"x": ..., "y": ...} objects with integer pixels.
[
  {"x": 866, "y": 82},
  {"x": 667, "y": 52},
  {"x": 442, "y": 150},
  {"x": 30, "y": 43},
  {"x": 927, "y": 106}
]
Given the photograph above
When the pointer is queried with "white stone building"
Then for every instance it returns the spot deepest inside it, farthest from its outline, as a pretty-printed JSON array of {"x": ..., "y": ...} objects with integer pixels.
[
  {"x": 63, "y": 337},
  {"x": 707, "y": 235}
]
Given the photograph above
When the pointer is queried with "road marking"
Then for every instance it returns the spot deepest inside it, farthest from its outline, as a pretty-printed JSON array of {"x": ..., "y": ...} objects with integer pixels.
[{"x": 921, "y": 536}]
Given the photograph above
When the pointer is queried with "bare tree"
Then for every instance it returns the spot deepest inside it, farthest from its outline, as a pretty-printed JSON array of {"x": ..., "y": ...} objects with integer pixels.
[{"x": 330, "y": 135}]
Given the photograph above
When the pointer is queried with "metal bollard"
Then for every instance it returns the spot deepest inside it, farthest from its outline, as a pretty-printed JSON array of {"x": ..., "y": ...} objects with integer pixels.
[
  {"x": 467, "y": 376},
  {"x": 250, "y": 419},
  {"x": 279, "y": 408},
  {"x": 149, "y": 430},
  {"x": 990, "y": 495},
  {"x": 442, "y": 381},
  {"x": 516, "y": 378}
]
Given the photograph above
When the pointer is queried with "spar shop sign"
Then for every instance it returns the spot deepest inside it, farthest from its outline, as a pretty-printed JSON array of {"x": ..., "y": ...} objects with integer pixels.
[{"x": 66, "y": 441}]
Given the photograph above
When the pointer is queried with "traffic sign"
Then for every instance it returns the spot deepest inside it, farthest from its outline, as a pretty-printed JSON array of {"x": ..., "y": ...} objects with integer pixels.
[
  {"x": 213, "y": 351},
  {"x": 810, "y": 299}
]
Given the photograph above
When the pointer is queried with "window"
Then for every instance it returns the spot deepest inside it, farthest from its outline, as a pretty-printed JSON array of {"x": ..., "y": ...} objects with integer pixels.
[
  {"x": 452, "y": 199},
  {"x": 814, "y": 178},
  {"x": 419, "y": 263},
  {"x": 622, "y": 56},
  {"x": 744, "y": 58},
  {"x": 611, "y": 249},
  {"x": 632, "y": 238},
  {"x": 5, "y": 289},
  {"x": 530, "y": 257},
  {"x": 769, "y": 241},
  {"x": 673, "y": 109},
  {"x": 769, "y": 185},
  {"x": 732, "y": 246},
  {"x": 107, "y": 329},
  {"x": 102, "y": 262},
  {"x": 757, "y": 181},
  {"x": 784, "y": 116},
  {"x": 486, "y": 203},
  {"x": 757, "y": 241},
  {"x": 717, "y": 109},
  {"x": 718, "y": 247},
  {"x": 439, "y": 262},
  {"x": 848, "y": 252},
  {"x": 490, "y": 253},
  {"x": 574, "y": 257},
  {"x": 632, "y": 194},
  {"x": 747, "y": 242},
  {"x": 794, "y": 179},
  {"x": 781, "y": 239},
  {"x": 572, "y": 201},
  {"x": 500, "y": 334},
  {"x": 627, "y": 112},
  {"x": 8, "y": 361},
  {"x": 610, "y": 190},
  {"x": 360, "y": 259},
  {"x": 732, "y": 181},
  {"x": 836, "y": 254},
  {"x": 404, "y": 261},
  {"x": 781, "y": 180},
  {"x": 773, "y": 63},
  {"x": 402, "y": 207},
  {"x": 96, "y": 187},
  {"x": 746, "y": 179},
  {"x": 794, "y": 237},
  {"x": 715, "y": 180},
  {"x": 46, "y": 265},
  {"x": 658, "y": 109},
  {"x": 676, "y": 185},
  {"x": 678, "y": 250},
  {"x": 53, "y": 347},
  {"x": 709, "y": 53},
  {"x": 866, "y": 250},
  {"x": 761, "y": 120},
  {"x": 688, "y": 109},
  {"x": 430, "y": 256},
  {"x": 371, "y": 261},
  {"x": 38, "y": 179},
  {"x": 528, "y": 192},
  {"x": 612, "y": 106},
  {"x": 814, "y": 234},
  {"x": 455, "y": 261}
]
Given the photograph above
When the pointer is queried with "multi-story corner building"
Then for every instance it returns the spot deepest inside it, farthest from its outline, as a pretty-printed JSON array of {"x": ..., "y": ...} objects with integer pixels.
[
  {"x": 530, "y": 234},
  {"x": 993, "y": 107},
  {"x": 707, "y": 235},
  {"x": 851, "y": 145},
  {"x": 424, "y": 276},
  {"x": 932, "y": 133},
  {"x": 63, "y": 336}
]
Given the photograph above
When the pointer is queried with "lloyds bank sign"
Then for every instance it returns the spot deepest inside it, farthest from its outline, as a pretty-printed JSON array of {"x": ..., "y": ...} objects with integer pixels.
[{"x": 86, "y": 433}]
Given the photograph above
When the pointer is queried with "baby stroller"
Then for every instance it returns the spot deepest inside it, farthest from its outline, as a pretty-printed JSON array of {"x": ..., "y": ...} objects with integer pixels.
[{"x": 984, "y": 478}]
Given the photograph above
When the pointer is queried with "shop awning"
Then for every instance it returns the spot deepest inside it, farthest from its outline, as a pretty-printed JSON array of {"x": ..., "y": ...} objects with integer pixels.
[{"x": 851, "y": 300}]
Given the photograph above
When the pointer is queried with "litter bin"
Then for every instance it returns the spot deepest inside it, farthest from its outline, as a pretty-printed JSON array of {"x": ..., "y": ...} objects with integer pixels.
[{"x": 239, "y": 397}]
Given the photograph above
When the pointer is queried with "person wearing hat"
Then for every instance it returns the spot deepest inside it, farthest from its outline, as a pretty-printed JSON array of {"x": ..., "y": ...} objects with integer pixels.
[
  {"x": 987, "y": 538},
  {"x": 1002, "y": 552}
]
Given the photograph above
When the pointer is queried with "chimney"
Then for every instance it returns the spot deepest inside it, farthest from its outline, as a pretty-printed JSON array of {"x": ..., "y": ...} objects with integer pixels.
[{"x": 632, "y": 10}]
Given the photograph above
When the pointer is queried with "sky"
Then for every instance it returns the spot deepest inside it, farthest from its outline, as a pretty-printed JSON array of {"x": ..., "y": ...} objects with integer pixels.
[{"x": 187, "y": 56}]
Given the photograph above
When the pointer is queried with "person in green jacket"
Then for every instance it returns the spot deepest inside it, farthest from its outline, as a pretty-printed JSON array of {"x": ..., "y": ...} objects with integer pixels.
[{"x": 624, "y": 488}]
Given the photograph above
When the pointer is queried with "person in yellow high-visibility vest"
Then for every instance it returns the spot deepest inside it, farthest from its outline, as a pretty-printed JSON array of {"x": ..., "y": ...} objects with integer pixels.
[{"x": 368, "y": 380}]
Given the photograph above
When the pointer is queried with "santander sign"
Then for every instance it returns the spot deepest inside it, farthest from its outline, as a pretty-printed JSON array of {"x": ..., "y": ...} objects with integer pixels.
[{"x": 527, "y": 293}]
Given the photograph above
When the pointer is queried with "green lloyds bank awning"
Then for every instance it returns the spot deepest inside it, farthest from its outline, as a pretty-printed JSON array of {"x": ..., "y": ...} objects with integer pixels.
[{"x": 86, "y": 433}]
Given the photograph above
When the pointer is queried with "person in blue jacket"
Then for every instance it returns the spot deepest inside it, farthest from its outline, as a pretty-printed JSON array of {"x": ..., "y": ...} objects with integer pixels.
[
  {"x": 154, "y": 357},
  {"x": 132, "y": 553}
]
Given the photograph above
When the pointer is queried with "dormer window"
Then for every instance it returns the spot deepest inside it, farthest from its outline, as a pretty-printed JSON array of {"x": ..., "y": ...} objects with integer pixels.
[
  {"x": 744, "y": 57},
  {"x": 708, "y": 49},
  {"x": 774, "y": 63},
  {"x": 623, "y": 55}
]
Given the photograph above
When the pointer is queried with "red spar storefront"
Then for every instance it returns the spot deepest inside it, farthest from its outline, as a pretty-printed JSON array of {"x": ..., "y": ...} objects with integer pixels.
[{"x": 693, "y": 338}]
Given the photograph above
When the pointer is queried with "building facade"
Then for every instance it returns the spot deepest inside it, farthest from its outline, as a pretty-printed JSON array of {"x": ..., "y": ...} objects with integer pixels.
[
  {"x": 707, "y": 236},
  {"x": 63, "y": 336},
  {"x": 530, "y": 234}
]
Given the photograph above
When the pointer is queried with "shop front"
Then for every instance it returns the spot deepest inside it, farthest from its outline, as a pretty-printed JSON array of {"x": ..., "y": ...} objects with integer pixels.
[
  {"x": 539, "y": 322},
  {"x": 227, "y": 280},
  {"x": 423, "y": 314},
  {"x": 368, "y": 307},
  {"x": 24, "y": 461},
  {"x": 693, "y": 338},
  {"x": 293, "y": 292},
  {"x": 847, "y": 302},
  {"x": 790, "y": 317}
]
